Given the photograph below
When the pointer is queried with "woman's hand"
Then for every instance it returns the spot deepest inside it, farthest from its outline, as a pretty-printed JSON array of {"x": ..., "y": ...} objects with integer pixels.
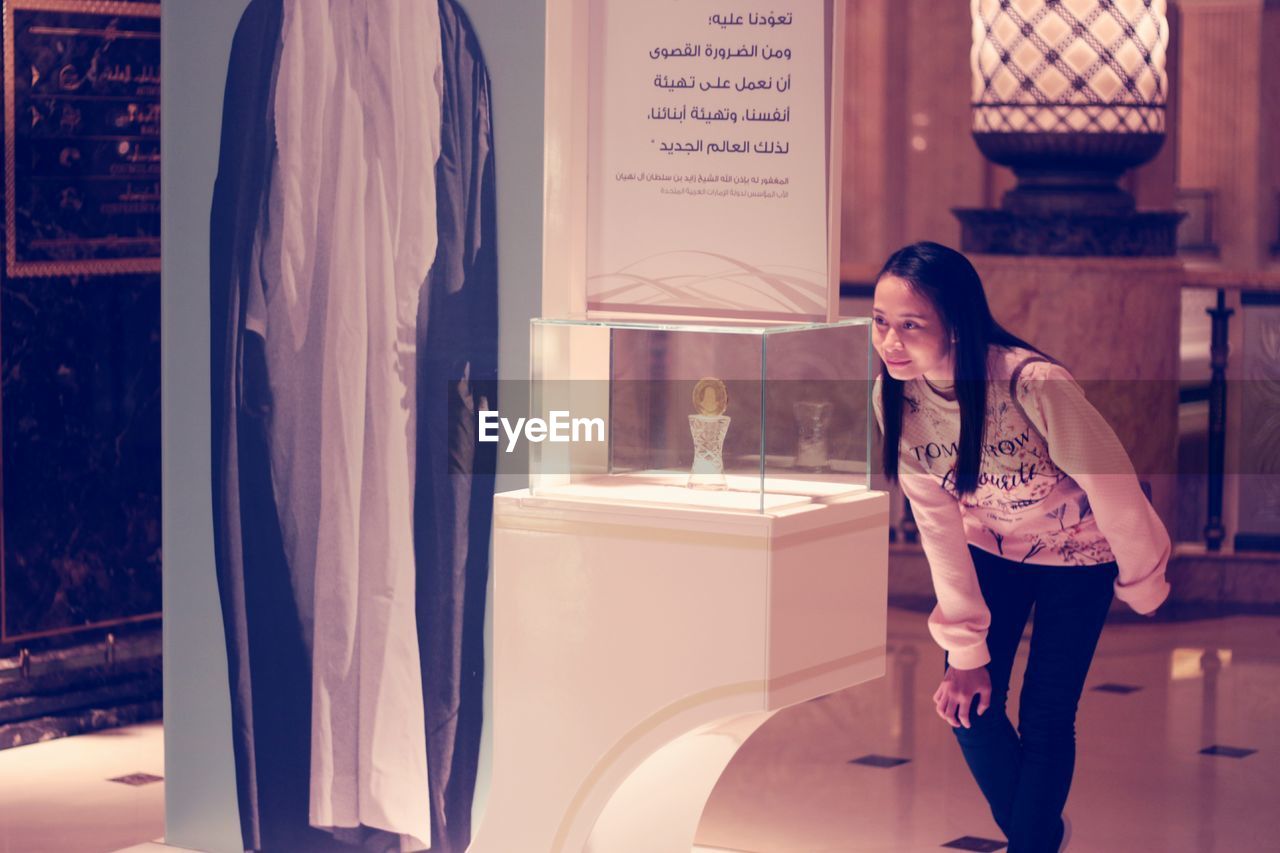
[{"x": 954, "y": 696}]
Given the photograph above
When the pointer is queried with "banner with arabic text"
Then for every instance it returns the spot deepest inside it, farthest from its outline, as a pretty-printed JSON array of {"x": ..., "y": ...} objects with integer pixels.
[{"x": 708, "y": 159}]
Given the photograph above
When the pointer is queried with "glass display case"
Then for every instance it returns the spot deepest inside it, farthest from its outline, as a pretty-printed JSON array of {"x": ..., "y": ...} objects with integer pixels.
[{"x": 748, "y": 417}]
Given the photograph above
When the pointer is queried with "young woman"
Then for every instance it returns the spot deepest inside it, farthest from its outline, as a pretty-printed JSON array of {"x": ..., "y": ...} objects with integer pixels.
[{"x": 1024, "y": 497}]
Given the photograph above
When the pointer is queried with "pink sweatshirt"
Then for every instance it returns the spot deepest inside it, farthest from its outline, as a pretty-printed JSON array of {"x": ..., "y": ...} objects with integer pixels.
[{"x": 1056, "y": 488}]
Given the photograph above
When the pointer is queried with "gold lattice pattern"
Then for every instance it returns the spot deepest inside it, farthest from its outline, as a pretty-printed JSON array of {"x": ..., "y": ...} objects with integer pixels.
[{"x": 1069, "y": 65}]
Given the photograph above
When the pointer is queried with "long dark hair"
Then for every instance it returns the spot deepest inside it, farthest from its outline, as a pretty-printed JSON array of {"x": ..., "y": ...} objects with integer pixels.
[{"x": 947, "y": 279}]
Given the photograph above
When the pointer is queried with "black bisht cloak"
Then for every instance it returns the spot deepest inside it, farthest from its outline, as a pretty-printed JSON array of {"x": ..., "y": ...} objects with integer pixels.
[{"x": 268, "y": 664}]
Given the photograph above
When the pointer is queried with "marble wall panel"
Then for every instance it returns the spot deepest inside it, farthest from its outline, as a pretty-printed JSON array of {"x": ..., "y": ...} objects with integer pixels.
[
  {"x": 1221, "y": 129},
  {"x": 80, "y": 435},
  {"x": 1114, "y": 323},
  {"x": 1258, "y": 519}
]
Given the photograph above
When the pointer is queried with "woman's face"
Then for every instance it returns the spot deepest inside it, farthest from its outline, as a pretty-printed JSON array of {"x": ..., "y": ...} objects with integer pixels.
[{"x": 908, "y": 334}]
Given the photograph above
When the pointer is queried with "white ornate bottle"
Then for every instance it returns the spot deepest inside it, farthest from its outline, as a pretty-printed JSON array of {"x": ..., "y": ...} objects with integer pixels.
[
  {"x": 709, "y": 428},
  {"x": 812, "y": 420}
]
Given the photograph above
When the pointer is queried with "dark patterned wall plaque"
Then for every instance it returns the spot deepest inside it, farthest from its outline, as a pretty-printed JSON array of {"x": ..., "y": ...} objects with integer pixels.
[{"x": 82, "y": 137}]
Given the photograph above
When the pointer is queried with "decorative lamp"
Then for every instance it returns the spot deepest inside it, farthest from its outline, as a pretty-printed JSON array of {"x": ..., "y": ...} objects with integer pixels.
[{"x": 1070, "y": 94}]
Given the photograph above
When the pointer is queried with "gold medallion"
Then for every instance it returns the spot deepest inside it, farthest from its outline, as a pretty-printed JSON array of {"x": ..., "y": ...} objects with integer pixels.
[{"x": 710, "y": 397}]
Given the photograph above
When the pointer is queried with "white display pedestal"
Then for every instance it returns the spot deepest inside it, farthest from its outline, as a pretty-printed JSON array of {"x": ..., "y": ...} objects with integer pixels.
[{"x": 636, "y": 648}]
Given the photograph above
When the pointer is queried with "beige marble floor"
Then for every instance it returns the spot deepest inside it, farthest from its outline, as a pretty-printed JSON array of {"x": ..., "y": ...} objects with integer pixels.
[
  {"x": 55, "y": 797},
  {"x": 1142, "y": 785}
]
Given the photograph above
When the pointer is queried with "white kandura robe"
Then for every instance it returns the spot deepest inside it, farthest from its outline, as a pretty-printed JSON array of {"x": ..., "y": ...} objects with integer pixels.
[{"x": 349, "y": 236}]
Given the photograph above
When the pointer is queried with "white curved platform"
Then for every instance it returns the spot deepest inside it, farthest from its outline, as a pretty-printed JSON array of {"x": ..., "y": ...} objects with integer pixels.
[{"x": 636, "y": 648}]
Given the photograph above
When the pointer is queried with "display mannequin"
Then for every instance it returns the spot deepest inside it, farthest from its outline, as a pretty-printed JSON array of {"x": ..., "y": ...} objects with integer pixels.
[{"x": 344, "y": 555}]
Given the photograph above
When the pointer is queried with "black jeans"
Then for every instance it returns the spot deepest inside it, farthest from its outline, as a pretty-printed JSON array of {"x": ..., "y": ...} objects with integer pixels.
[{"x": 1026, "y": 774}]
